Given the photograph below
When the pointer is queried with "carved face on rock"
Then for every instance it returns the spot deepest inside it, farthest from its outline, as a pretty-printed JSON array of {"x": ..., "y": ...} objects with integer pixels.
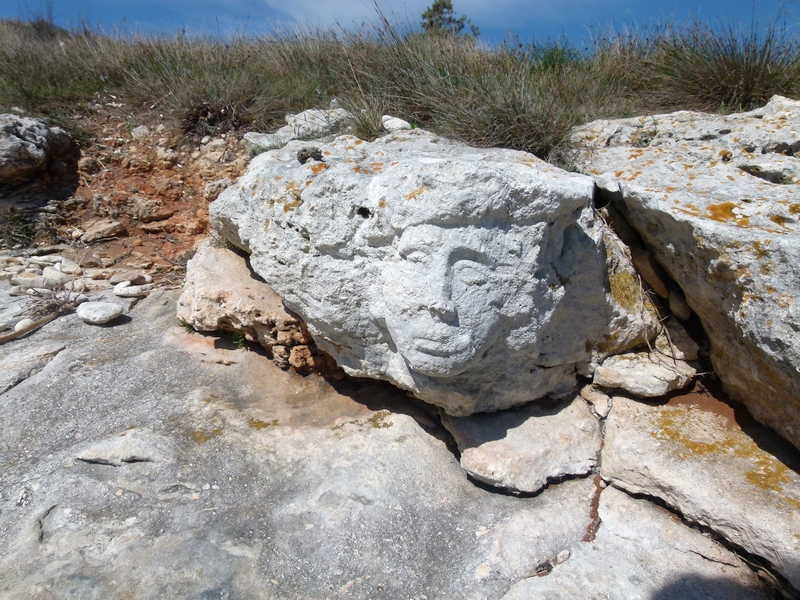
[{"x": 445, "y": 294}]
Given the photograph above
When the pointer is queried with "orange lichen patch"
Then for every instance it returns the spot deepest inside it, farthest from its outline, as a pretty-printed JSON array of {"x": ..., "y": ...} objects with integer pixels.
[
  {"x": 382, "y": 204},
  {"x": 692, "y": 177},
  {"x": 258, "y": 424},
  {"x": 794, "y": 209},
  {"x": 358, "y": 142},
  {"x": 376, "y": 165},
  {"x": 395, "y": 163},
  {"x": 361, "y": 170},
  {"x": 779, "y": 220},
  {"x": 693, "y": 432},
  {"x": 317, "y": 167},
  {"x": 327, "y": 153},
  {"x": 201, "y": 436},
  {"x": 723, "y": 213},
  {"x": 770, "y": 290},
  {"x": 784, "y": 300},
  {"x": 416, "y": 193},
  {"x": 619, "y": 174},
  {"x": 278, "y": 177},
  {"x": 761, "y": 251},
  {"x": 669, "y": 189},
  {"x": 294, "y": 204},
  {"x": 725, "y": 155},
  {"x": 292, "y": 187},
  {"x": 528, "y": 162},
  {"x": 635, "y": 154}
]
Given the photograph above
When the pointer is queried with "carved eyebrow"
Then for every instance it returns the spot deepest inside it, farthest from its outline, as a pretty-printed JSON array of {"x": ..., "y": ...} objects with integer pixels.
[{"x": 469, "y": 253}]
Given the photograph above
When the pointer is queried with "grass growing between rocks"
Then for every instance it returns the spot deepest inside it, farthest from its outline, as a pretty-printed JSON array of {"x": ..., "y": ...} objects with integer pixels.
[{"x": 525, "y": 97}]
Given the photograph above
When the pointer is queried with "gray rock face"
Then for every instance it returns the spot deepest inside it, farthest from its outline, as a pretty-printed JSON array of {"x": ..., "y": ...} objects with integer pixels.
[
  {"x": 641, "y": 551},
  {"x": 702, "y": 463},
  {"x": 711, "y": 196},
  {"x": 26, "y": 146},
  {"x": 208, "y": 472},
  {"x": 523, "y": 449},
  {"x": 477, "y": 279}
]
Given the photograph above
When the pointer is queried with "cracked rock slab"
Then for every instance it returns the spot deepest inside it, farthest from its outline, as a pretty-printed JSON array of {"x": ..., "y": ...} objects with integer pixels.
[
  {"x": 715, "y": 199},
  {"x": 702, "y": 463},
  {"x": 522, "y": 449},
  {"x": 643, "y": 552}
]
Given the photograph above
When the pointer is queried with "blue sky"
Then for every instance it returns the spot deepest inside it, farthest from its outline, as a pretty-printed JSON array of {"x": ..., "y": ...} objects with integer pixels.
[{"x": 526, "y": 19}]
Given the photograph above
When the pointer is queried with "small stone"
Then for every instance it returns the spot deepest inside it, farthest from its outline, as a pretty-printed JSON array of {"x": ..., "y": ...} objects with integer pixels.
[
  {"x": 89, "y": 165},
  {"x": 392, "y": 124},
  {"x": 16, "y": 290},
  {"x": 70, "y": 267},
  {"x": 142, "y": 131},
  {"x": 678, "y": 305},
  {"x": 600, "y": 402},
  {"x": 24, "y": 323},
  {"x": 674, "y": 342},
  {"x": 98, "y": 313},
  {"x": 642, "y": 374},
  {"x": 214, "y": 188},
  {"x": 134, "y": 277},
  {"x": 126, "y": 290},
  {"x": 102, "y": 230}
]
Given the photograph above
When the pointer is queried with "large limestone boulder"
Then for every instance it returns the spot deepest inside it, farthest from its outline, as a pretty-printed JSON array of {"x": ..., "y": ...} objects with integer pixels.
[
  {"x": 714, "y": 199},
  {"x": 27, "y": 145},
  {"x": 477, "y": 279}
]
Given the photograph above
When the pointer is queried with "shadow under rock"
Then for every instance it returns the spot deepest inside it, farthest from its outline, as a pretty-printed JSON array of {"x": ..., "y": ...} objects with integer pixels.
[{"x": 696, "y": 587}]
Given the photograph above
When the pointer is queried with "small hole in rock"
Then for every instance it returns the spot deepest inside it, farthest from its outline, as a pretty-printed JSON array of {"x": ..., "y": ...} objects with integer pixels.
[{"x": 364, "y": 212}]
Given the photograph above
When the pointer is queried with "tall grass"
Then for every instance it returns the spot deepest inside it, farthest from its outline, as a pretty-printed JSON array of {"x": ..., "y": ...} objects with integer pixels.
[{"x": 523, "y": 97}]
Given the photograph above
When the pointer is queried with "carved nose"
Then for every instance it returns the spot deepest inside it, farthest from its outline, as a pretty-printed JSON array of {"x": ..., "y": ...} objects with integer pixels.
[{"x": 443, "y": 310}]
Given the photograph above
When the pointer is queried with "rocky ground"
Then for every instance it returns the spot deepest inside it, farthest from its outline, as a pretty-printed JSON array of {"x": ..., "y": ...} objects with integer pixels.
[{"x": 141, "y": 459}]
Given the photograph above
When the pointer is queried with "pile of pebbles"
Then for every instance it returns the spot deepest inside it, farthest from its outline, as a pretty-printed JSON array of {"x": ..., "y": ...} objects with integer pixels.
[{"x": 60, "y": 274}]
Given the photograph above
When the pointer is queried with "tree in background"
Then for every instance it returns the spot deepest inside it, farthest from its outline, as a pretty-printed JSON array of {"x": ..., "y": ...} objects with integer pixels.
[{"x": 440, "y": 18}]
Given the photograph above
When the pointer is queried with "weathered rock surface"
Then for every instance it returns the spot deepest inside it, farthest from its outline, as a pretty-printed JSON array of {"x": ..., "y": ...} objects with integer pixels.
[
  {"x": 209, "y": 472},
  {"x": 698, "y": 460},
  {"x": 642, "y": 551},
  {"x": 27, "y": 146},
  {"x": 477, "y": 279},
  {"x": 522, "y": 449},
  {"x": 713, "y": 198},
  {"x": 644, "y": 374},
  {"x": 222, "y": 294},
  {"x": 18, "y": 364}
]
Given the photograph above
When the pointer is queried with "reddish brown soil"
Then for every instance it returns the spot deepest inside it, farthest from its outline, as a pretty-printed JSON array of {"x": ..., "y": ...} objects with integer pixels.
[{"x": 163, "y": 167}]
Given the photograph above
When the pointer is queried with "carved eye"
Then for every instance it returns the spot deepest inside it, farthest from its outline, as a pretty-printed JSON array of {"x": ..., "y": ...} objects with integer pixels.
[
  {"x": 415, "y": 256},
  {"x": 472, "y": 273}
]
